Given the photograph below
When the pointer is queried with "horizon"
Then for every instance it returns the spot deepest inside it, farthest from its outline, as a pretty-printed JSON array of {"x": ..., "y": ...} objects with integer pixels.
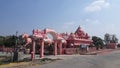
[{"x": 96, "y": 17}]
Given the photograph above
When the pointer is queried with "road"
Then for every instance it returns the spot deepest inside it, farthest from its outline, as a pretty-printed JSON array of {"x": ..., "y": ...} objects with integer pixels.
[{"x": 109, "y": 60}]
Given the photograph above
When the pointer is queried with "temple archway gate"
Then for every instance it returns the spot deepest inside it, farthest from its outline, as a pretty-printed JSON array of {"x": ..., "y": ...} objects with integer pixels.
[
  {"x": 42, "y": 37},
  {"x": 57, "y": 39}
]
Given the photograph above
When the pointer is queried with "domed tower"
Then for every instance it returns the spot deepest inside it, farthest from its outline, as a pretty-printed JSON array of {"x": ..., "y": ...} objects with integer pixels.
[
  {"x": 78, "y": 38},
  {"x": 81, "y": 34}
]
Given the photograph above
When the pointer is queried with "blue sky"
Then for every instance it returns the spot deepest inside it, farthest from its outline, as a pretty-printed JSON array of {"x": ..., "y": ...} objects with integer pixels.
[{"x": 96, "y": 17}]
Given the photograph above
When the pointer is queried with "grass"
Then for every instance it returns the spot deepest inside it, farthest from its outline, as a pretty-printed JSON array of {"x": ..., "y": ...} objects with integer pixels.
[
  {"x": 6, "y": 62},
  {"x": 44, "y": 61}
]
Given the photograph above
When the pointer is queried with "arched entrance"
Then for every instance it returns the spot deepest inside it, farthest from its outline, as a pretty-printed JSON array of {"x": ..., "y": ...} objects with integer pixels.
[
  {"x": 57, "y": 43},
  {"x": 41, "y": 37}
]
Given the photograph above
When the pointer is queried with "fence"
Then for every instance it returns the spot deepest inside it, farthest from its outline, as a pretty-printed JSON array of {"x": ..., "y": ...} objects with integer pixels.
[{"x": 70, "y": 51}]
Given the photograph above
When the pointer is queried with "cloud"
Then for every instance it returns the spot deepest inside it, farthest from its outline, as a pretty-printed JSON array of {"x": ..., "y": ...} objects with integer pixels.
[
  {"x": 66, "y": 25},
  {"x": 92, "y": 26},
  {"x": 95, "y": 27},
  {"x": 94, "y": 22},
  {"x": 97, "y": 5}
]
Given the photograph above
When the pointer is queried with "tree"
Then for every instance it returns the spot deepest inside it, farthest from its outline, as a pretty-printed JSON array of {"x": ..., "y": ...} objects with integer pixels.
[
  {"x": 110, "y": 38},
  {"x": 10, "y": 41},
  {"x": 2, "y": 40},
  {"x": 98, "y": 42},
  {"x": 20, "y": 40},
  {"x": 114, "y": 39},
  {"x": 118, "y": 45},
  {"x": 107, "y": 38}
]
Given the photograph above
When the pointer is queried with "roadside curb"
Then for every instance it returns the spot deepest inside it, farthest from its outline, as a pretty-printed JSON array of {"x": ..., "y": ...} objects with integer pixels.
[{"x": 100, "y": 52}]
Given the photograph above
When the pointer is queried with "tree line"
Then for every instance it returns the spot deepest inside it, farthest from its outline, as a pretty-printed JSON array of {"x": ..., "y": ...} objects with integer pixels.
[{"x": 11, "y": 41}]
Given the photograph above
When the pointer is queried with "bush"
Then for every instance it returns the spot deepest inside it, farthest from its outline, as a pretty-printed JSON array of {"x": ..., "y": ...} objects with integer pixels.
[
  {"x": 118, "y": 45},
  {"x": 5, "y": 60}
]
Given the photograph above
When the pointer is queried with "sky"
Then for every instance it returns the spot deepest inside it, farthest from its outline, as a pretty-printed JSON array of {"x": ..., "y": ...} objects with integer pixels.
[{"x": 96, "y": 17}]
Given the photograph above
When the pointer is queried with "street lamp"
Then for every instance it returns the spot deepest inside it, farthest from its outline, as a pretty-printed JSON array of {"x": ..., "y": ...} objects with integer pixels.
[
  {"x": 15, "y": 56},
  {"x": 16, "y": 38}
]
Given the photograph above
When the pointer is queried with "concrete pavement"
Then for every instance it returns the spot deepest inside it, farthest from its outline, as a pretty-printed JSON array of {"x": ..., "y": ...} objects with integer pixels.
[
  {"x": 109, "y": 60},
  {"x": 104, "y": 59}
]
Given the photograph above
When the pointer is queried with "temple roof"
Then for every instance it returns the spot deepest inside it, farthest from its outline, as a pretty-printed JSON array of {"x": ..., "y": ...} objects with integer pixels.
[
  {"x": 79, "y": 31},
  {"x": 79, "y": 34}
]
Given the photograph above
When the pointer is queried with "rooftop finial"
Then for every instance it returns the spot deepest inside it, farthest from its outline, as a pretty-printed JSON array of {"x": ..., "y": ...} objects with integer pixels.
[{"x": 79, "y": 27}]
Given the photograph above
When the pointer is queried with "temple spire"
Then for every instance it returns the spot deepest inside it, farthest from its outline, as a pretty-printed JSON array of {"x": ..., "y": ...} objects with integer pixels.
[
  {"x": 79, "y": 26},
  {"x": 78, "y": 30}
]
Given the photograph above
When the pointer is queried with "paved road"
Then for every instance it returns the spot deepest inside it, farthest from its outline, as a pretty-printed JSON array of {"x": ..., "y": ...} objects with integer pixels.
[{"x": 111, "y": 60}]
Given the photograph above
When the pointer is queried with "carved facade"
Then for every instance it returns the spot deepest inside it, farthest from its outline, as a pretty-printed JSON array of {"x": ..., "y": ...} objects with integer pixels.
[{"x": 78, "y": 38}]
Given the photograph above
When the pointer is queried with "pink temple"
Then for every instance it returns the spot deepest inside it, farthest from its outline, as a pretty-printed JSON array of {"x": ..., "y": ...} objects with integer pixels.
[
  {"x": 78, "y": 38},
  {"x": 60, "y": 41}
]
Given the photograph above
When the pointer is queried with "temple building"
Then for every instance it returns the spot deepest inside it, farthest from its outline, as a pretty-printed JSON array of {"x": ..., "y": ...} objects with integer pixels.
[
  {"x": 62, "y": 43},
  {"x": 78, "y": 38}
]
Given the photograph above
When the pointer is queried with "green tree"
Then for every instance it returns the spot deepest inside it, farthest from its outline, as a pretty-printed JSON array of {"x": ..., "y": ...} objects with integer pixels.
[
  {"x": 10, "y": 41},
  {"x": 2, "y": 40},
  {"x": 118, "y": 45},
  {"x": 98, "y": 42},
  {"x": 20, "y": 40}
]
